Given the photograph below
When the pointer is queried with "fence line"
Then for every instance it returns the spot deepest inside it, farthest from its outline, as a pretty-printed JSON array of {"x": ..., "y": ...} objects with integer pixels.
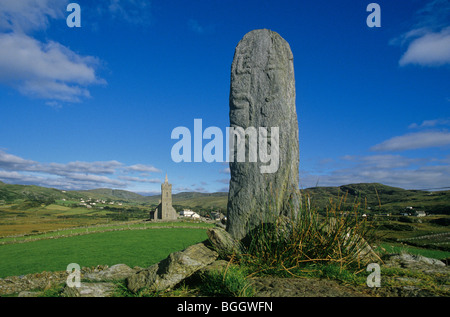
[{"x": 428, "y": 236}]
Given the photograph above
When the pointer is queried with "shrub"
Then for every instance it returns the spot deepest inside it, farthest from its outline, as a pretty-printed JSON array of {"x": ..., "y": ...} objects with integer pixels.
[{"x": 288, "y": 244}]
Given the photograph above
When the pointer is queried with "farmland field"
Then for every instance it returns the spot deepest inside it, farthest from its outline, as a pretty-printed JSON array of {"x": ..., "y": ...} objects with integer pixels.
[
  {"x": 44, "y": 229},
  {"x": 132, "y": 247},
  {"x": 16, "y": 221}
]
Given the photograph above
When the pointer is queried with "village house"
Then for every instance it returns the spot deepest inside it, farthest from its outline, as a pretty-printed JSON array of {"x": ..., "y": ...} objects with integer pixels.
[
  {"x": 189, "y": 214},
  {"x": 420, "y": 213}
]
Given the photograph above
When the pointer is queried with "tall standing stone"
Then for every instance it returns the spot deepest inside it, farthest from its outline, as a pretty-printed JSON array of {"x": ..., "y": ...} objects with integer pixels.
[{"x": 262, "y": 94}]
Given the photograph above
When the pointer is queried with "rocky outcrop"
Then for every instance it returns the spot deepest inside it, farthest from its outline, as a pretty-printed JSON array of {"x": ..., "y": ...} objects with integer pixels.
[
  {"x": 32, "y": 285},
  {"x": 196, "y": 260},
  {"x": 414, "y": 262},
  {"x": 416, "y": 276},
  {"x": 99, "y": 283},
  {"x": 172, "y": 270},
  {"x": 223, "y": 243},
  {"x": 28, "y": 282},
  {"x": 116, "y": 272}
]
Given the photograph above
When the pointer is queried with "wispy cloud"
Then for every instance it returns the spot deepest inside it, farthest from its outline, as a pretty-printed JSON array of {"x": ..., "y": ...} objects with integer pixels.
[
  {"x": 143, "y": 168},
  {"x": 132, "y": 11},
  {"x": 428, "y": 42},
  {"x": 430, "y": 123},
  {"x": 140, "y": 180},
  {"x": 429, "y": 49},
  {"x": 13, "y": 162},
  {"x": 46, "y": 70},
  {"x": 196, "y": 27},
  {"x": 413, "y": 141},
  {"x": 392, "y": 170},
  {"x": 71, "y": 175},
  {"x": 192, "y": 188},
  {"x": 384, "y": 161},
  {"x": 411, "y": 170},
  {"x": 29, "y": 15}
]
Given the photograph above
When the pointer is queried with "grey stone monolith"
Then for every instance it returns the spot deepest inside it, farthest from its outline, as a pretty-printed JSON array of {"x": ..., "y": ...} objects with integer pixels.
[{"x": 262, "y": 104}]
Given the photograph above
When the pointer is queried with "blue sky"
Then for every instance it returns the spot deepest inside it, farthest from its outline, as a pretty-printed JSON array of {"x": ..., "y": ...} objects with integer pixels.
[{"x": 95, "y": 106}]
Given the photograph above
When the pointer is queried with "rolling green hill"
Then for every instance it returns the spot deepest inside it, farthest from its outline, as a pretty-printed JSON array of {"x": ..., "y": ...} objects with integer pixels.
[
  {"x": 374, "y": 196},
  {"x": 379, "y": 197},
  {"x": 199, "y": 201},
  {"x": 113, "y": 194},
  {"x": 11, "y": 193}
]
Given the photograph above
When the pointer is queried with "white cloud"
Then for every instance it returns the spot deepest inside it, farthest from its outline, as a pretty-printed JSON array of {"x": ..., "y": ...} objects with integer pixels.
[
  {"x": 108, "y": 167},
  {"x": 430, "y": 123},
  {"x": 410, "y": 172},
  {"x": 428, "y": 40},
  {"x": 397, "y": 171},
  {"x": 192, "y": 188},
  {"x": 71, "y": 175},
  {"x": 49, "y": 70},
  {"x": 224, "y": 181},
  {"x": 430, "y": 49},
  {"x": 29, "y": 15},
  {"x": 9, "y": 161},
  {"x": 94, "y": 179},
  {"x": 387, "y": 161},
  {"x": 143, "y": 168},
  {"x": 180, "y": 189},
  {"x": 414, "y": 141},
  {"x": 46, "y": 70},
  {"x": 140, "y": 180}
]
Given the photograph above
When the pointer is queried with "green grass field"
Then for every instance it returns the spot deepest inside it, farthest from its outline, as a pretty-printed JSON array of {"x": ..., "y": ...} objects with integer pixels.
[
  {"x": 61, "y": 233},
  {"x": 399, "y": 248},
  {"x": 132, "y": 247}
]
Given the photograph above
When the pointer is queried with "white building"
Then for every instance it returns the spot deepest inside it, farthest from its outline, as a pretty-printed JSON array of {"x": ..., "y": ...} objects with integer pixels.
[{"x": 189, "y": 214}]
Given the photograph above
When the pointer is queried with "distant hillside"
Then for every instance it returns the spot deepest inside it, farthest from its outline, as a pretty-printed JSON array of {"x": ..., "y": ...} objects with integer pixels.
[
  {"x": 205, "y": 201},
  {"x": 10, "y": 193},
  {"x": 378, "y": 197},
  {"x": 113, "y": 194},
  {"x": 14, "y": 193},
  {"x": 195, "y": 200}
]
